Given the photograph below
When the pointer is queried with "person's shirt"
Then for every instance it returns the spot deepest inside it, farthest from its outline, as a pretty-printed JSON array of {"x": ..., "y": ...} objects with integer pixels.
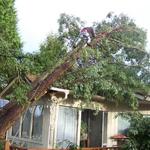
[{"x": 88, "y": 30}]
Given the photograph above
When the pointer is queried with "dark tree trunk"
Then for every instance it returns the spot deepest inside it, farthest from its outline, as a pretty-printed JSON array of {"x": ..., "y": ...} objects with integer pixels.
[{"x": 9, "y": 117}]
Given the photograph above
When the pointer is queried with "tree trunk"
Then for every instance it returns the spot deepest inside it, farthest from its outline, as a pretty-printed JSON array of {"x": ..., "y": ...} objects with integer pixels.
[{"x": 9, "y": 117}]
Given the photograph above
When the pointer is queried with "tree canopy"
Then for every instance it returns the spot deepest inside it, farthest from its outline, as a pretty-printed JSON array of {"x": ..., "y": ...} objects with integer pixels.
[
  {"x": 10, "y": 42},
  {"x": 10, "y": 48},
  {"x": 116, "y": 67}
]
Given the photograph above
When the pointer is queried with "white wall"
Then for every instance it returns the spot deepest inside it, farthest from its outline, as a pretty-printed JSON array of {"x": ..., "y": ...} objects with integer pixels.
[{"x": 112, "y": 128}]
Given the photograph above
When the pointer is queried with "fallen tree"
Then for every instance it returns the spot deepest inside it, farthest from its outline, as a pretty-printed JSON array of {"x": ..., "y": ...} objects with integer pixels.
[{"x": 12, "y": 111}]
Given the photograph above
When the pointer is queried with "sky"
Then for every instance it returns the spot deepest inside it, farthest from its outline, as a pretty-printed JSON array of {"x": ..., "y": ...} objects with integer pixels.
[{"x": 38, "y": 18}]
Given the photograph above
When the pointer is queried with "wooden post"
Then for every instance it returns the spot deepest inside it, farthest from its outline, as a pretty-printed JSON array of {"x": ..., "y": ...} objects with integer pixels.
[
  {"x": 79, "y": 127},
  {"x": 46, "y": 127},
  {"x": 6, "y": 145}
]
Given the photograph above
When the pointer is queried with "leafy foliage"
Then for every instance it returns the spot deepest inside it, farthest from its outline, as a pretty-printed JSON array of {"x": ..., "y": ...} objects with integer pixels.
[
  {"x": 69, "y": 29},
  {"x": 116, "y": 68},
  {"x": 9, "y": 39},
  {"x": 51, "y": 51},
  {"x": 10, "y": 48}
]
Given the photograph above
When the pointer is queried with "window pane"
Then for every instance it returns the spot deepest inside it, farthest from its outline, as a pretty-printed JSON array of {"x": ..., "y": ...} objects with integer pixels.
[
  {"x": 26, "y": 123},
  {"x": 67, "y": 126},
  {"x": 37, "y": 123},
  {"x": 95, "y": 128},
  {"x": 15, "y": 128},
  {"x": 123, "y": 125}
]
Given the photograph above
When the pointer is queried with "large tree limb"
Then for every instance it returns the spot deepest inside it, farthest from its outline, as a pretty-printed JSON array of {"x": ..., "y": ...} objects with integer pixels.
[{"x": 10, "y": 116}]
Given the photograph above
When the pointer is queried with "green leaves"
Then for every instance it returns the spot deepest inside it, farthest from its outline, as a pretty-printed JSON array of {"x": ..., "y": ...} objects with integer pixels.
[
  {"x": 51, "y": 53},
  {"x": 69, "y": 29},
  {"x": 10, "y": 51},
  {"x": 118, "y": 62},
  {"x": 19, "y": 93}
]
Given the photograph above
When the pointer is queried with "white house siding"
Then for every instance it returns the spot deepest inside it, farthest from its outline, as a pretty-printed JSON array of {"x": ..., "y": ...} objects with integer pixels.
[{"x": 112, "y": 128}]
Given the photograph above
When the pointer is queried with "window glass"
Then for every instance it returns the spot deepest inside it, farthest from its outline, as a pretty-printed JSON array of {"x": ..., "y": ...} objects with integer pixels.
[
  {"x": 123, "y": 125},
  {"x": 15, "y": 128},
  {"x": 26, "y": 123},
  {"x": 67, "y": 126},
  {"x": 37, "y": 123},
  {"x": 146, "y": 116}
]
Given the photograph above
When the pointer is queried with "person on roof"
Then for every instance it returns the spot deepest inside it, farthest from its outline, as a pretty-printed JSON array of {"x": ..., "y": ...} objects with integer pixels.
[{"x": 87, "y": 34}]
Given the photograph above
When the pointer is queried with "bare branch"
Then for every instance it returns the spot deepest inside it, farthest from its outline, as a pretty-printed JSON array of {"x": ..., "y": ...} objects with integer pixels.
[{"x": 8, "y": 86}]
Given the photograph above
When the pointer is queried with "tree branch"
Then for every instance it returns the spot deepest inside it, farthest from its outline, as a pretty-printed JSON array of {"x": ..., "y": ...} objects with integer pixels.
[
  {"x": 125, "y": 45},
  {"x": 8, "y": 86}
]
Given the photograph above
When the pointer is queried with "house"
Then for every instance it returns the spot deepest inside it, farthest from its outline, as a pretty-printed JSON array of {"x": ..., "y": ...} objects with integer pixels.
[{"x": 58, "y": 120}]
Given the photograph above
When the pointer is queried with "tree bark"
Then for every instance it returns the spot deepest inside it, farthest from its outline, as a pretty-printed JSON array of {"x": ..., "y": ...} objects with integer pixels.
[{"x": 9, "y": 117}]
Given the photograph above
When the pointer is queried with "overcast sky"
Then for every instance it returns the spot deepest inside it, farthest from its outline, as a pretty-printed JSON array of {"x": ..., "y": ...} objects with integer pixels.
[{"x": 38, "y": 18}]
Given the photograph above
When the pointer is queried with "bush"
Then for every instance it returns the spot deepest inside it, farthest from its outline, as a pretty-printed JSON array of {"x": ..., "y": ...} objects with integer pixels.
[{"x": 138, "y": 133}]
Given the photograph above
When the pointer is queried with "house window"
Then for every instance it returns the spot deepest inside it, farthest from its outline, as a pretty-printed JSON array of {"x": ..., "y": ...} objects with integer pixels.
[
  {"x": 30, "y": 125},
  {"x": 123, "y": 125},
  {"x": 37, "y": 123},
  {"x": 67, "y": 126},
  {"x": 146, "y": 116}
]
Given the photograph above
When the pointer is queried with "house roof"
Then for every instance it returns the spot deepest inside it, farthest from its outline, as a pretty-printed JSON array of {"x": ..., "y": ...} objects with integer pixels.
[{"x": 143, "y": 97}]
